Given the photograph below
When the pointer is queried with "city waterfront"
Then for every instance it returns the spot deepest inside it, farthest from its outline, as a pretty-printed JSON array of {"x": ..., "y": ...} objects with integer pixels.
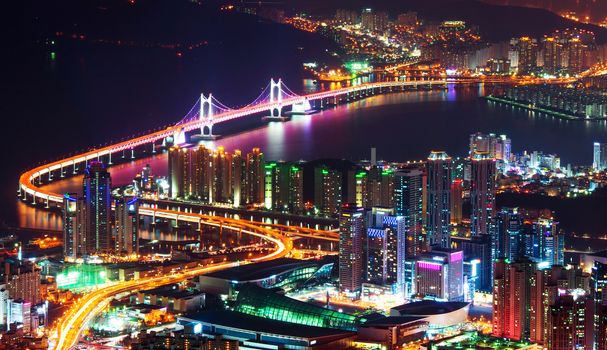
[{"x": 386, "y": 122}]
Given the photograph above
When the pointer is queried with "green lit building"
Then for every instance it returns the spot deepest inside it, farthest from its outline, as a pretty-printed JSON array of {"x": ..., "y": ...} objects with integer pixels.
[
  {"x": 78, "y": 277},
  {"x": 283, "y": 273},
  {"x": 283, "y": 189},
  {"x": 260, "y": 302}
]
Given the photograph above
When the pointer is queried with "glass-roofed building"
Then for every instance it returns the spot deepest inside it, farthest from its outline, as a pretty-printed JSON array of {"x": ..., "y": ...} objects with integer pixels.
[{"x": 256, "y": 301}]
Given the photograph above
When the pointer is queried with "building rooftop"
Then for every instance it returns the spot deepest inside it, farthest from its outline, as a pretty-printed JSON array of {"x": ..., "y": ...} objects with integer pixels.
[
  {"x": 259, "y": 324},
  {"x": 429, "y": 307},
  {"x": 261, "y": 270},
  {"x": 393, "y": 321}
]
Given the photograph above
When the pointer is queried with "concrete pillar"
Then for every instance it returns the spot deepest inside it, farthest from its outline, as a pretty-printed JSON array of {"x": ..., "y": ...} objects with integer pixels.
[{"x": 132, "y": 153}]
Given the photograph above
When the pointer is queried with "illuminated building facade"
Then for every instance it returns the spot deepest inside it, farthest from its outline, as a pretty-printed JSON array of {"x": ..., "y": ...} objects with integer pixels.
[
  {"x": 255, "y": 176},
  {"x": 598, "y": 288},
  {"x": 527, "y": 49},
  {"x": 284, "y": 187},
  {"x": 599, "y": 156},
  {"x": 511, "y": 299},
  {"x": 127, "y": 226},
  {"x": 351, "y": 236},
  {"x": 380, "y": 188},
  {"x": 73, "y": 225},
  {"x": 256, "y": 301},
  {"x": 438, "y": 206},
  {"x": 408, "y": 203},
  {"x": 327, "y": 190},
  {"x": 97, "y": 187},
  {"x": 546, "y": 243},
  {"x": 457, "y": 201},
  {"x": 508, "y": 243},
  {"x": 385, "y": 247},
  {"x": 440, "y": 274},
  {"x": 570, "y": 322}
]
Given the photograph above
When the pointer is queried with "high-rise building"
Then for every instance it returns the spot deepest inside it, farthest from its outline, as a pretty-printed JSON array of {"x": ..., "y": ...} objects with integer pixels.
[
  {"x": 222, "y": 184},
  {"x": 127, "y": 225},
  {"x": 97, "y": 186},
  {"x": 479, "y": 248},
  {"x": 482, "y": 194},
  {"x": 482, "y": 199},
  {"x": 545, "y": 286},
  {"x": 599, "y": 156},
  {"x": 238, "y": 179},
  {"x": 598, "y": 289},
  {"x": 511, "y": 299},
  {"x": 438, "y": 210},
  {"x": 527, "y": 50},
  {"x": 545, "y": 244},
  {"x": 498, "y": 146},
  {"x": 73, "y": 225},
  {"x": 327, "y": 190},
  {"x": 284, "y": 187},
  {"x": 408, "y": 203},
  {"x": 440, "y": 274},
  {"x": 508, "y": 242},
  {"x": 22, "y": 279},
  {"x": 255, "y": 177},
  {"x": 380, "y": 188},
  {"x": 457, "y": 201},
  {"x": 351, "y": 235},
  {"x": 346, "y": 16},
  {"x": 374, "y": 21},
  {"x": 385, "y": 246},
  {"x": 552, "y": 51},
  {"x": 361, "y": 197},
  {"x": 570, "y": 322},
  {"x": 178, "y": 172},
  {"x": 600, "y": 331}
]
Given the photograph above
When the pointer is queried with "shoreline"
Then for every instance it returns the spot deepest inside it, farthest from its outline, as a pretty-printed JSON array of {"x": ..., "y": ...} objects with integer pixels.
[{"x": 557, "y": 114}]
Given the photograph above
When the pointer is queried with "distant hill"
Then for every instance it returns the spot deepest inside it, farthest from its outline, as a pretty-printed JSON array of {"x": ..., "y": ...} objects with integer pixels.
[{"x": 497, "y": 23}]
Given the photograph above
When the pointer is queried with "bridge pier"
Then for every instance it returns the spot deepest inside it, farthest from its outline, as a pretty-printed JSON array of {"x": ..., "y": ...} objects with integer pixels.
[
  {"x": 50, "y": 175},
  {"x": 132, "y": 153},
  {"x": 75, "y": 169},
  {"x": 61, "y": 170},
  {"x": 153, "y": 148},
  {"x": 123, "y": 154},
  {"x": 109, "y": 162}
]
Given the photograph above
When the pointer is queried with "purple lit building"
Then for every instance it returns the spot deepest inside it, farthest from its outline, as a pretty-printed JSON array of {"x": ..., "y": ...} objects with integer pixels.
[{"x": 440, "y": 274}]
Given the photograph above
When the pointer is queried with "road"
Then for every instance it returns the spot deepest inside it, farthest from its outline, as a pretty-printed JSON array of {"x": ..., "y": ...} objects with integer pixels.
[{"x": 69, "y": 328}]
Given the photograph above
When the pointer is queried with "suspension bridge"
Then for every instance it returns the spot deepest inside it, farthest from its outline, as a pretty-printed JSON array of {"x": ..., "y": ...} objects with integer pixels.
[{"x": 206, "y": 113}]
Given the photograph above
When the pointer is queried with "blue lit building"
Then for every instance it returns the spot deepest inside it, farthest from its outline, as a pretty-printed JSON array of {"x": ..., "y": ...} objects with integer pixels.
[
  {"x": 545, "y": 244},
  {"x": 438, "y": 203},
  {"x": 508, "y": 242},
  {"x": 385, "y": 247},
  {"x": 97, "y": 186},
  {"x": 408, "y": 203}
]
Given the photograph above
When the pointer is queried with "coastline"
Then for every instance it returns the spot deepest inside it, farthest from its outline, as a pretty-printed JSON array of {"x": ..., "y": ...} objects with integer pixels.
[{"x": 554, "y": 113}]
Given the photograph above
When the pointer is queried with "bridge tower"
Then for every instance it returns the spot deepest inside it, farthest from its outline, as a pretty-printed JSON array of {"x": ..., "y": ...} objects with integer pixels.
[
  {"x": 206, "y": 115},
  {"x": 276, "y": 94}
]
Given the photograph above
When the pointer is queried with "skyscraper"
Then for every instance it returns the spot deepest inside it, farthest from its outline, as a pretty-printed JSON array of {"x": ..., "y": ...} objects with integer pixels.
[
  {"x": 255, "y": 177},
  {"x": 380, "y": 188},
  {"x": 440, "y": 274},
  {"x": 177, "y": 174},
  {"x": 408, "y": 203},
  {"x": 570, "y": 322},
  {"x": 527, "y": 55},
  {"x": 599, "y": 156},
  {"x": 482, "y": 194},
  {"x": 351, "y": 235},
  {"x": 598, "y": 289},
  {"x": 511, "y": 299},
  {"x": 238, "y": 179},
  {"x": 508, "y": 242},
  {"x": 283, "y": 187},
  {"x": 545, "y": 243},
  {"x": 97, "y": 186},
  {"x": 327, "y": 190},
  {"x": 74, "y": 220},
  {"x": 385, "y": 248},
  {"x": 438, "y": 210},
  {"x": 457, "y": 201},
  {"x": 127, "y": 226}
]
